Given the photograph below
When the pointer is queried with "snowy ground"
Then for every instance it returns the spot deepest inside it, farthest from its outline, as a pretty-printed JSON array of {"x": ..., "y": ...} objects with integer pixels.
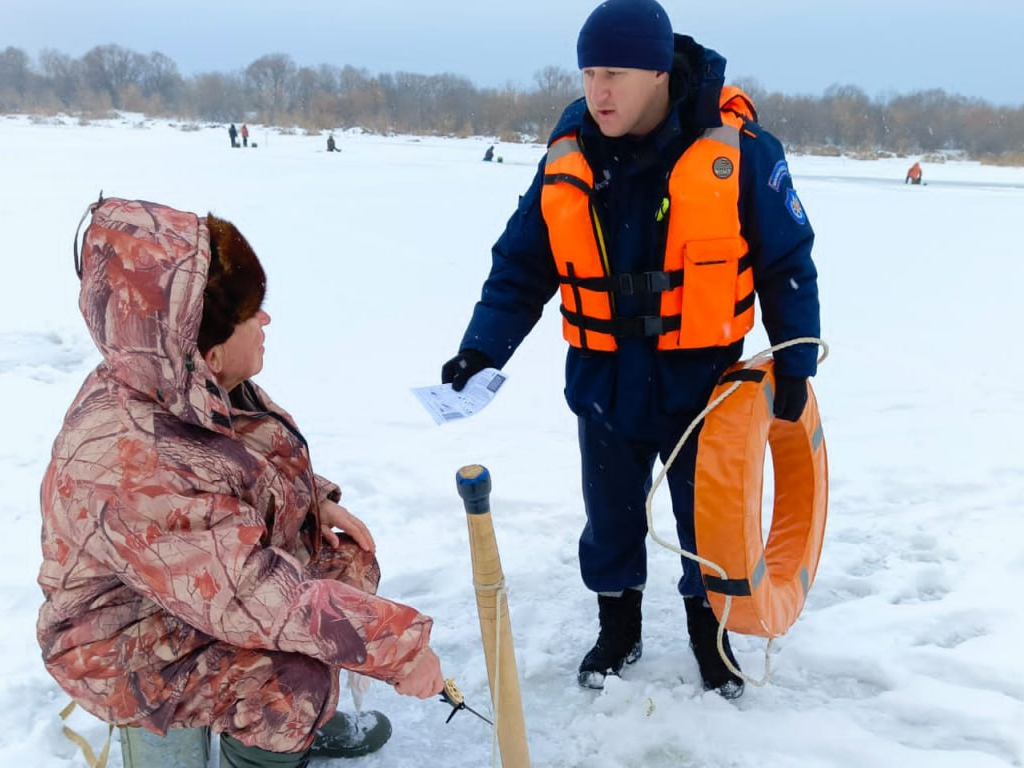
[{"x": 907, "y": 653}]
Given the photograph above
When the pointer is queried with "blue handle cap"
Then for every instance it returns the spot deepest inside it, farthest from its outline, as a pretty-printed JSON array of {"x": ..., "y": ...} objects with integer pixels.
[{"x": 474, "y": 484}]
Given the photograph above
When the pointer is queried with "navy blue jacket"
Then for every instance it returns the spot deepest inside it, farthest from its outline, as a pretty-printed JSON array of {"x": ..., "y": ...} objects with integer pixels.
[{"x": 637, "y": 387}]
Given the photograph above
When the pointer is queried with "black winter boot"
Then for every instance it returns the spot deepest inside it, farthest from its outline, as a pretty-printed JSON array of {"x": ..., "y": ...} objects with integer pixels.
[
  {"x": 703, "y": 627},
  {"x": 618, "y": 642},
  {"x": 346, "y": 735}
]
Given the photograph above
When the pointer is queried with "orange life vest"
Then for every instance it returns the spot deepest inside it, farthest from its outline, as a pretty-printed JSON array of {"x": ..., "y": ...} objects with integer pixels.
[{"x": 706, "y": 283}]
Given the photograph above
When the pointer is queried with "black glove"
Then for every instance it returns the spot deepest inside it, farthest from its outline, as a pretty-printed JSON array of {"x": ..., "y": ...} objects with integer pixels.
[
  {"x": 463, "y": 367},
  {"x": 790, "y": 397}
]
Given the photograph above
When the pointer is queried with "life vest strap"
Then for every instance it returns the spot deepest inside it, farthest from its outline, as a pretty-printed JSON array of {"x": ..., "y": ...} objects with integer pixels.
[
  {"x": 630, "y": 283},
  {"x": 624, "y": 327},
  {"x": 568, "y": 178},
  {"x": 747, "y": 302},
  {"x": 640, "y": 326},
  {"x": 649, "y": 283}
]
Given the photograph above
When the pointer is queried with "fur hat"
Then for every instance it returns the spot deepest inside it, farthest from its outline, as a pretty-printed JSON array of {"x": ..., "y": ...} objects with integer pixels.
[
  {"x": 235, "y": 284},
  {"x": 635, "y": 34}
]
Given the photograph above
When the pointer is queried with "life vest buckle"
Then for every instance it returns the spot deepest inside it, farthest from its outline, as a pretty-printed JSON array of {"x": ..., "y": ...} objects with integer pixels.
[
  {"x": 643, "y": 283},
  {"x": 654, "y": 325},
  {"x": 658, "y": 282}
]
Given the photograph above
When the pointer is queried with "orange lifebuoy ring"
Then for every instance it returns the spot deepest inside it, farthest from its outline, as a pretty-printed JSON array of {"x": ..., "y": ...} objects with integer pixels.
[{"x": 768, "y": 582}]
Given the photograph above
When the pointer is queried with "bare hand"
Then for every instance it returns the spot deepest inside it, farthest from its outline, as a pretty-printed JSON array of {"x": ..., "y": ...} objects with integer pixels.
[
  {"x": 424, "y": 679},
  {"x": 336, "y": 516}
]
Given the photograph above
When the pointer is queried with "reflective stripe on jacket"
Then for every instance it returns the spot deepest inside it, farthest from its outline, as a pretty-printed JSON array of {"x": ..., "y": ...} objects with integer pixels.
[{"x": 706, "y": 282}]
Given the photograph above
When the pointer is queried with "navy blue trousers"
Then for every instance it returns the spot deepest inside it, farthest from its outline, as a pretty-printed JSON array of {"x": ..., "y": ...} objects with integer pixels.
[{"x": 617, "y": 475}]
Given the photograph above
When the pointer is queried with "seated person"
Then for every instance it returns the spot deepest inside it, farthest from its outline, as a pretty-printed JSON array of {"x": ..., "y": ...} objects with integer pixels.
[{"x": 193, "y": 573}]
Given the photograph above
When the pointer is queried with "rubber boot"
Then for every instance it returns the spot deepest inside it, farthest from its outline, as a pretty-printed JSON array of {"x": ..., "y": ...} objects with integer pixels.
[
  {"x": 235, "y": 754},
  {"x": 346, "y": 735},
  {"x": 180, "y": 748},
  {"x": 618, "y": 642},
  {"x": 703, "y": 627}
]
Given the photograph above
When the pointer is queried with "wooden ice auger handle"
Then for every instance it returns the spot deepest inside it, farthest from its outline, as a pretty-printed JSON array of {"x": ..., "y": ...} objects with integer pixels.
[{"x": 474, "y": 485}]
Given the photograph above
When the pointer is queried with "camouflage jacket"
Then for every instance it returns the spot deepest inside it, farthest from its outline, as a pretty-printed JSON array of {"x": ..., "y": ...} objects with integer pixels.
[{"x": 173, "y": 518}]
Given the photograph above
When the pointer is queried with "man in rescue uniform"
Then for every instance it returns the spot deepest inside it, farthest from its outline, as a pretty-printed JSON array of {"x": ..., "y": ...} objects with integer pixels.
[{"x": 660, "y": 208}]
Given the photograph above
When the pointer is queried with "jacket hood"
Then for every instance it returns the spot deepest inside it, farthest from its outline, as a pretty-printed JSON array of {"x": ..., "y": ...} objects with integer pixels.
[
  {"x": 143, "y": 271},
  {"x": 698, "y": 75}
]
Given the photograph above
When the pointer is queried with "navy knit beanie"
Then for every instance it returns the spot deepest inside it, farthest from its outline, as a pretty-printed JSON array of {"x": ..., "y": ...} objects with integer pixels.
[{"x": 635, "y": 34}]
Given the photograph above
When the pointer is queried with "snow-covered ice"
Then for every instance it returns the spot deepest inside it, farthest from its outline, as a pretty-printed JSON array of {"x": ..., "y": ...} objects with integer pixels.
[{"x": 907, "y": 653}]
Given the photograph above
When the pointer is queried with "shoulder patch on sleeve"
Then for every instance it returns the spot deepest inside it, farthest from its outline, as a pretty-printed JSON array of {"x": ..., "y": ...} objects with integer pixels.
[
  {"x": 795, "y": 207},
  {"x": 779, "y": 174}
]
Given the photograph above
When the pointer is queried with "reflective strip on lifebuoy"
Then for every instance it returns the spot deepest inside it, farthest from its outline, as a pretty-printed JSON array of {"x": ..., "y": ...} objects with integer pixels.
[{"x": 768, "y": 581}]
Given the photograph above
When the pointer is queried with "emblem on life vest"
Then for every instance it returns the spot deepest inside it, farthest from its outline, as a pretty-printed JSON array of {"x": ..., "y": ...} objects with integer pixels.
[{"x": 722, "y": 167}]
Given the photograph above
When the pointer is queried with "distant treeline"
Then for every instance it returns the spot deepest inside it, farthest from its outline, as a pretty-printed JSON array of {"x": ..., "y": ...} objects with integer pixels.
[{"x": 273, "y": 90}]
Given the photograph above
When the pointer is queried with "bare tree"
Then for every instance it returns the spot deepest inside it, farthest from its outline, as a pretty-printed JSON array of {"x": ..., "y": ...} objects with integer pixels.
[
  {"x": 216, "y": 96},
  {"x": 268, "y": 80},
  {"x": 14, "y": 70},
  {"x": 556, "y": 87},
  {"x": 64, "y": 75},
  {"x": 111, "y": 69},
  {"x": 843, "y": 119},
  {"x": 363, "y": 100},
  {"x": 159, "y": 79},
  {"x": 853, "y": 121},
  {"x": 305, "y": 85},
  {"x": 454, "y": 99}
]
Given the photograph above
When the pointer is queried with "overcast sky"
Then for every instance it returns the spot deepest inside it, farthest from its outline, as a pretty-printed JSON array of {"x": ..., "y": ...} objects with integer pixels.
[{"x": 967, "y": 47}]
